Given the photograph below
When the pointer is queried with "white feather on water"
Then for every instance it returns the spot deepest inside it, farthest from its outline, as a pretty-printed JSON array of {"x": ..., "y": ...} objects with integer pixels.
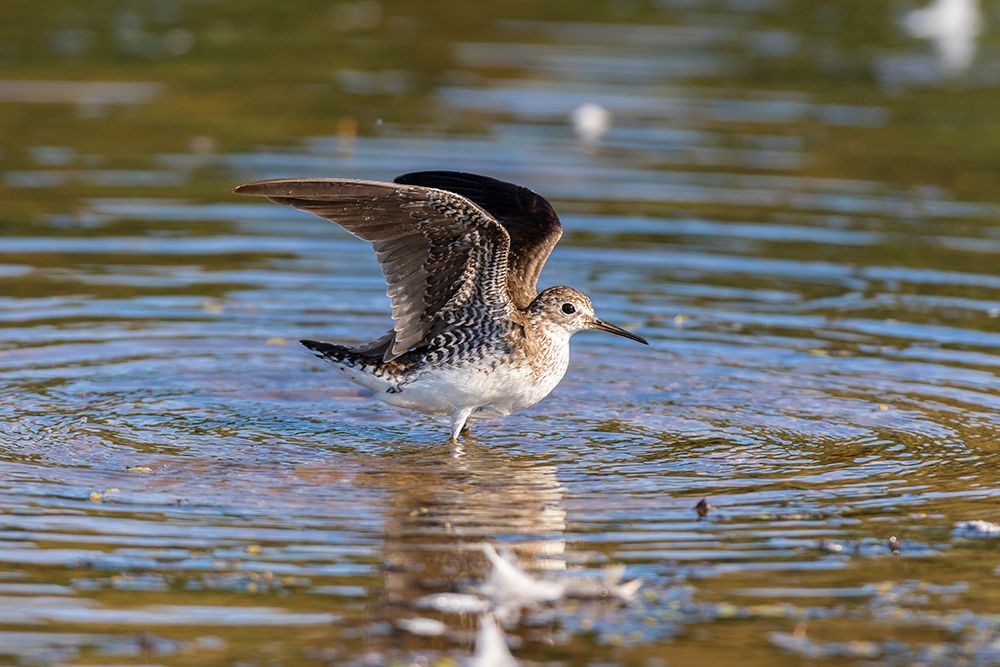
[
  {"x": 953, "y": 26},
  {"x": 590, "y": 122},
  {"x": 511, "y": 589}
]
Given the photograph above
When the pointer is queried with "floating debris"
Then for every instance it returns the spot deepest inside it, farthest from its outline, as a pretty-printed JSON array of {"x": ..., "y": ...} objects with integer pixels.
[
  {"x": 139, "y": 469},
  {"x": 831, "y": 547},
  {"x": 99, "y": 496},
  {"x": 703, "y": 508},
  {"x": 870, "y": 547}
]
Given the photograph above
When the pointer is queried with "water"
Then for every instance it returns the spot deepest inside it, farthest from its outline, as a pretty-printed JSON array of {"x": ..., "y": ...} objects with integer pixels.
[{"x": 795, "y": 202}]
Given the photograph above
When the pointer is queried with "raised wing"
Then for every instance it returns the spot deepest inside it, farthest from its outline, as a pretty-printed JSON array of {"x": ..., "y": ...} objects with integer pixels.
[
  {"x": 528, "y": 217},
  {"x": 444, "y": 259}
]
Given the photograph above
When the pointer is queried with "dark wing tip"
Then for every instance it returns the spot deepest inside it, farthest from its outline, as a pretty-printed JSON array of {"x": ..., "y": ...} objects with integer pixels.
[
  {"x": 503, "y": 200},
  {"x": 421, "y": 177}
]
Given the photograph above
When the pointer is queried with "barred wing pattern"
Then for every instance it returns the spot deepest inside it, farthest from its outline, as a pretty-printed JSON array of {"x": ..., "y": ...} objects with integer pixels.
[
  {"x": 528, "y": 217},
  {"x": 444, "y": 259}
]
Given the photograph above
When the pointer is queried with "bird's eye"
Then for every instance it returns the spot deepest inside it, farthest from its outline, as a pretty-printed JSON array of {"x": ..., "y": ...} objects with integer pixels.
[{"x": 568, "y": 308}]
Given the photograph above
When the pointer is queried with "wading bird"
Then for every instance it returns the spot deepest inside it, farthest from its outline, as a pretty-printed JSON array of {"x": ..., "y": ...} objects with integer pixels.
[{"x": 461, "y": 254}]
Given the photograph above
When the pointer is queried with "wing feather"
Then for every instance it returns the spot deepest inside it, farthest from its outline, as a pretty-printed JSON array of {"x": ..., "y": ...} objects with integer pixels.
[
  {"x": 445, "y": 259},
  {"x": 529, "y": 219}
]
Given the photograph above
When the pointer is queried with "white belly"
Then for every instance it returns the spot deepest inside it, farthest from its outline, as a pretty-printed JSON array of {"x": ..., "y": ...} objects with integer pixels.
[{"x": 492, "y": 392}]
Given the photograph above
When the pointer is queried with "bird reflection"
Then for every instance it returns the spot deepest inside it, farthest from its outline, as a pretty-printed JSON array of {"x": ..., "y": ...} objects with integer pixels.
[{"x": 442, "y": 508}]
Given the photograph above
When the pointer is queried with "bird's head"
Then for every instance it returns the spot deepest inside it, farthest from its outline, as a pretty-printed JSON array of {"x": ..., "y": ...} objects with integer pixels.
[{"x": 570, "y": 310}]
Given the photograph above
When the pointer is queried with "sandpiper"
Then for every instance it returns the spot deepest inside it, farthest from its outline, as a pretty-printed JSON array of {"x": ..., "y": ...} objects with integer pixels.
[{"x": 461, "y": 254}]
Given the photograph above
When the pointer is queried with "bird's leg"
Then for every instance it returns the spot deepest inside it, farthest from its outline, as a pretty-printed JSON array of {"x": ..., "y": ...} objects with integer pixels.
[{"x": 458, "y": 419}]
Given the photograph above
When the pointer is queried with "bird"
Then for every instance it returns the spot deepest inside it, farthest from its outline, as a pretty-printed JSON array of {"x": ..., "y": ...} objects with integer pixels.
[{"x": 461, "y": 254}]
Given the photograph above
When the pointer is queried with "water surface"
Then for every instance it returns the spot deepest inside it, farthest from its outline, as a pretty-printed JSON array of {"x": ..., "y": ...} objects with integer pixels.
[{"x": 795, "y": 202}]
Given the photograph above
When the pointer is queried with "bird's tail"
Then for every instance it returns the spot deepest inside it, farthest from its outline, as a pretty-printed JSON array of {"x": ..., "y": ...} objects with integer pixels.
[
  {"x": 355, "y": 363},
  {"x": 337, "y": 354}
]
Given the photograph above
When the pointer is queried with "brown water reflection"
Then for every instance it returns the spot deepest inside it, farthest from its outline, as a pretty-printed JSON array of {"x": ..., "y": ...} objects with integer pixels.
[{"x": 795, "y": 201}]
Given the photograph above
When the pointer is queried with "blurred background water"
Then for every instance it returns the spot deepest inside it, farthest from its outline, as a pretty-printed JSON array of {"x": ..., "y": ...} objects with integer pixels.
[{"x": 795, "y": 200}]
